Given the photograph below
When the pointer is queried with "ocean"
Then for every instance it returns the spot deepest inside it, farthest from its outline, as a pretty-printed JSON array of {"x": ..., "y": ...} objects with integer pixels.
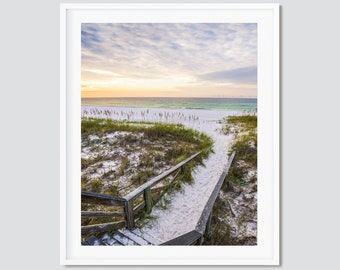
[{"x": 234, "y": 104}]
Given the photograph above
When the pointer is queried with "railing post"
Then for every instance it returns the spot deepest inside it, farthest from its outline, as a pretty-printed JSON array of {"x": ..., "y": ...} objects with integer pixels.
[
  {"x": 201, "y": 240},
  {"x": 130, "y": 222},
  {"x": 148, "y": 201},
  {"x": 208, "y": 228}
]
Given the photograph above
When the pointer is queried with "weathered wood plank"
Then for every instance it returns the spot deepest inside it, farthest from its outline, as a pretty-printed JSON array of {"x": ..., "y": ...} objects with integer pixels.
[
  {"x": 92, "y": 214},
  {"x": 101, "y": 199},
  {"x": 208, "y": 226},
  {"x": 148, "y": 201},
  {"x": 171, "y": 180},
  {"x": 126, "y": 241},
  {"x": 136, "y": 238},
  {"x": 130, "y": 221},
  {"x": 184, "y": 240},
  {"x": 202, "y": 222},
  {"x": 167, "y": 187},
  {"x": 139, "y": 207},
  {"x": 158, "y": 189},
  {"x": 138, "y": 191},
  {"x": 93, "y": 241},
  {"x": 104, "y": 227}
]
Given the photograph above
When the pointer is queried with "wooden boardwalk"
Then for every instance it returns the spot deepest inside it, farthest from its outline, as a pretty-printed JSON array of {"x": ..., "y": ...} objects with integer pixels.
[
  {"x": 141, "y": 201},
  {"x": 123, "y": 237}
]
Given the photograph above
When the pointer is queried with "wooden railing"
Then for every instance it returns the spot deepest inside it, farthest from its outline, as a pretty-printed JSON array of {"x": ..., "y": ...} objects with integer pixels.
[
  {"x": 128, "y": 208},
  {"x": 104, "y": 200},
  {"x": 202, "y": 228},
  {"x": 146, "y": 191}
]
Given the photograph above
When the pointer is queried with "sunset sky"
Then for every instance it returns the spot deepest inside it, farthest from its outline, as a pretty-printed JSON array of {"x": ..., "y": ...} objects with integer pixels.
[{"x": 169, "y": 60}]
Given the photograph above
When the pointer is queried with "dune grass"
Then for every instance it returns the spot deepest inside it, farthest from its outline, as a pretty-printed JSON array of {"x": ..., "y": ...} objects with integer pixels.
[
  {"x": 245, "y": 145},
  {"x": 93, "y": 126},
  {"x": 140, "y": 151},
  {"x": 193, "y": 139},
  {"x": 229, "y": 228}
]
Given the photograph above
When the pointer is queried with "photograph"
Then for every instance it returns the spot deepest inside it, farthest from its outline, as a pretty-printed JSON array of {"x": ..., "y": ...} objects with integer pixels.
[{"x": 168, "y": 134}]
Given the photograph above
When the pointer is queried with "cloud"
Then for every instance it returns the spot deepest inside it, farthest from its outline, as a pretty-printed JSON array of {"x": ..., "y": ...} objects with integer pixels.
[
  {"x": 91, "y": 39},
  {"x": 146, "y": 47},
  {"x": 247, "y": 75},
  {"x": 169, "y": 50},
  {"x": 103, "y": 72}
]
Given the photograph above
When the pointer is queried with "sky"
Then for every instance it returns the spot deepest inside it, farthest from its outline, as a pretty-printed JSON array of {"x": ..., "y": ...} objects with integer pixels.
[{"x": 169, "y": 60}]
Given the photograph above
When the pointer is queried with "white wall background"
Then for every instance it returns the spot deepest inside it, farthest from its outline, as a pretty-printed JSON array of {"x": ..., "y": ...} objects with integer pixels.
[{"x": 29, "y": 136}]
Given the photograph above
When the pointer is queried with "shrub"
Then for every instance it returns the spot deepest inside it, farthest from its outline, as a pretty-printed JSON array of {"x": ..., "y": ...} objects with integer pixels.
[{"x": 96, "y": 185}]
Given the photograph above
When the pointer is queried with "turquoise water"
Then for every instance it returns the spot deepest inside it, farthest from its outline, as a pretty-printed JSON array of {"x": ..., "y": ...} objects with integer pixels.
[{"x": 236, "y": 104}]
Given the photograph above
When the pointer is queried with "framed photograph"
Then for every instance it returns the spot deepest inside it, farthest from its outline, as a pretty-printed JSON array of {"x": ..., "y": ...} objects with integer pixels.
[{"x": 169, "y": 134}]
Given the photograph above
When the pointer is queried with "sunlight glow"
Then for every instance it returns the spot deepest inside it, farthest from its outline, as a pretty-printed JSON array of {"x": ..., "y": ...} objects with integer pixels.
[{"x": 169, "y": 59}]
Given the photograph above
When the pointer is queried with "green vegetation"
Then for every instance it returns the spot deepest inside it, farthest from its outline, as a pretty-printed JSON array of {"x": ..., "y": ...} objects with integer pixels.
[
  {"x": 142, "y": 176},
  {"x": 239, "y": 124},
  {"x": 96, "y": 185},
  {"x": 180, "y": 142},
  {"x": 240, "y": 187},
  {"x": 119, "y": 156},
  {"x": 244, "y": 129},
  {"x": 153, "y": 131},
  {"x": 124, "y": 165}
]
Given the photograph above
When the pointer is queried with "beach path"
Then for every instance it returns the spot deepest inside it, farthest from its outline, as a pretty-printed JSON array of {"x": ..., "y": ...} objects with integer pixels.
[{"x": 185, "y": 206}]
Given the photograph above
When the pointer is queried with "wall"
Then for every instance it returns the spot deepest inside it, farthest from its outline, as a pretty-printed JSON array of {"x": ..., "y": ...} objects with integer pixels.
[{"x": 30, "y": 134}]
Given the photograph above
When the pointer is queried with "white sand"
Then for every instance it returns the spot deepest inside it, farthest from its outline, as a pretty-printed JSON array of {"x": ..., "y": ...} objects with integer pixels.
[{"x": 185, "y": 208}]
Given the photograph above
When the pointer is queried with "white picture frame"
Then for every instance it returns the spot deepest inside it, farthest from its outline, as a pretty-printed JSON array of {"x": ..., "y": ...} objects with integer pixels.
[{"x": 267, "y": 251}]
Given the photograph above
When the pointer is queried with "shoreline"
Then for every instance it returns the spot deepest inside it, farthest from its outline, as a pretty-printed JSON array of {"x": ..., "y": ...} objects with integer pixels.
[{"x": 190, "y": 103}]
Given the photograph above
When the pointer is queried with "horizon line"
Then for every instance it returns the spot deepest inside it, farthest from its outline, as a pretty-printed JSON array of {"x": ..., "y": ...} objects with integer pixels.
[{"x": 174, "y": 97}]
